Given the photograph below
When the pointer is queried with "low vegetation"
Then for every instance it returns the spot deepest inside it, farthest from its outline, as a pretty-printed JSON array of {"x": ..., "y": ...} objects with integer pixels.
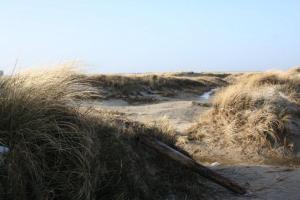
[
  {"x": 254, "y": 119},
  {"x": 58, "y": 149},
  {"x": 151, "y": 87},
  {"x": 200, "y": 74}
]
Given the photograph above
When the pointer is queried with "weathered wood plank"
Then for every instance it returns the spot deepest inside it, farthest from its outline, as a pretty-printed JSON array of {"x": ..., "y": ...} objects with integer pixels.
[{"x": 191, "y": 164}]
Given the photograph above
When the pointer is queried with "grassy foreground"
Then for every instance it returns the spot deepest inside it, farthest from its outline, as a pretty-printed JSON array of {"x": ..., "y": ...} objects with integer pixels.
[
  {"x": 59, "y": 150},
  {"x": 254, "y": 119}
]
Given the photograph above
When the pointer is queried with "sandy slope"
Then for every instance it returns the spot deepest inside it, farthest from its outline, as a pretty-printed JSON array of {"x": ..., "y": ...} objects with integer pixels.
[
  {"x": 263, "y": 182},
  {"x": 180, "y": 113}
]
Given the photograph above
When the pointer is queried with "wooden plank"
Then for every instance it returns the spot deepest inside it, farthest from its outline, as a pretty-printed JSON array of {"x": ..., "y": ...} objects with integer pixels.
[{"x": 191, "y": 164}]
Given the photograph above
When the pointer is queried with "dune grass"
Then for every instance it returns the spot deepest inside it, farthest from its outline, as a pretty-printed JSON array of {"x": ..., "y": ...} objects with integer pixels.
[
  {"x": 61, "y": 150},
  {"x": 254, "y": 119},
  {"x": 147, "y": 87},
  {"x": 49, "y": 142}
]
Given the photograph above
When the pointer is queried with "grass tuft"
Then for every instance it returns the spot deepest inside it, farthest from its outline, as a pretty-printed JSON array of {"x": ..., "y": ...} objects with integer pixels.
[
  {"x": 254, "y": 119},
  {"x": 48, "y": 142}
]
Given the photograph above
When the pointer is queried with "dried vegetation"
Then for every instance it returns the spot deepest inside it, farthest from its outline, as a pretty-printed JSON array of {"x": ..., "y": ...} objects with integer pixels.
[{"x": 257, "y": 118}]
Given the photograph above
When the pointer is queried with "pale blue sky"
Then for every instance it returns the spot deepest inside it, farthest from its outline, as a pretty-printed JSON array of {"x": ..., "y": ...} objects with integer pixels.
[{"x": 153, "y": 35}]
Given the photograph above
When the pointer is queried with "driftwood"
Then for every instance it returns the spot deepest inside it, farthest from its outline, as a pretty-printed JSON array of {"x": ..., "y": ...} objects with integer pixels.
[{"x": 191, "y": 164}]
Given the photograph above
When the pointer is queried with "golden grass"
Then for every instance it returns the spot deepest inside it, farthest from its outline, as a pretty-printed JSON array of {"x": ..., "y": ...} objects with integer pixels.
[
  {"x": 254, "y": 119},
  {"x": 49, "y": 142}
]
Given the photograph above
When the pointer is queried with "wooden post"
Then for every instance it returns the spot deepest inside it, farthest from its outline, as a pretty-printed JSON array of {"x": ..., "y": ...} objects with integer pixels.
[{"x": 191, "y": 164}]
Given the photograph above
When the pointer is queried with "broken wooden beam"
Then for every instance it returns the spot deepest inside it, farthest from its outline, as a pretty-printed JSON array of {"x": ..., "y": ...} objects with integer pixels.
[{"x": 191, "y": 164}]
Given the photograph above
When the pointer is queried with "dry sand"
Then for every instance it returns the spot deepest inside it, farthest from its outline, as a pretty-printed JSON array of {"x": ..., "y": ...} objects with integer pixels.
[{"x": 263, "y": 182}]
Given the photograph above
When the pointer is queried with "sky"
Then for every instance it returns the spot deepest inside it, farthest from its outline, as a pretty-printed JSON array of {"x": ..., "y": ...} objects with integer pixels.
[{"x": 150, "y": 36}]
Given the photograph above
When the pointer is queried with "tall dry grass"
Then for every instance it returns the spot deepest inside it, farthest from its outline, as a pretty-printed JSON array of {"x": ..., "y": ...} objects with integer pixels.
[
  {"x": 254, "y": 119},
  {"x": 49, "y": 142}
]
